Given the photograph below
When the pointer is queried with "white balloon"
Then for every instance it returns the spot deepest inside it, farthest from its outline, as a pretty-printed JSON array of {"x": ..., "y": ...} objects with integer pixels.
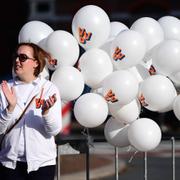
[
  {"x": 95, "y": 65},
  {"x": 144, "y": 134},
  {"x": 127, "y": 49},
  {"x": 63, "y": 47},
  {"x": 149, "y": 56},
  {"x": 157, "y": 92},
  {"x": 166, "y": 58},
  {"x": 147, "y": 64},
  {"x": 120, "y": 87},
  {"x": 116, "y": 133},
  {"x": 127, "y": 113},
  {"x": 140, "y": 72},
  {"x": 176, "y": 107},
  {"x": 91, "y": 26},
  {"x": 42, "y": 43},
  {"x": 116, "y": 28},
  {"x": 170, "y": 26},
  {"x": 168, "y": 108},
  {"x": 69, "y": 81},
  {"x": 34, "y": 31},
  {"x": 90, "y": 110},
  {"x": 97, "y": 91},
  {"x": 107, "y": 46},
  {"x": 175, "y": 77},
  {"x": 150, "y": 29}
]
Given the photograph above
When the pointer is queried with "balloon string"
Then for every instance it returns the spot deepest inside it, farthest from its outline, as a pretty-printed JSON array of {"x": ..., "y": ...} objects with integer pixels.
[
  {"x": 132, "y": 157},
  {"x": 89, "y": 138},
  {"x": 129, "y": 148}
]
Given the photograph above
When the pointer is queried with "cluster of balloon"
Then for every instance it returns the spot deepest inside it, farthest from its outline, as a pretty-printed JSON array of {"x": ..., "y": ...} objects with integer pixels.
[{"x": 126, "y": 68}]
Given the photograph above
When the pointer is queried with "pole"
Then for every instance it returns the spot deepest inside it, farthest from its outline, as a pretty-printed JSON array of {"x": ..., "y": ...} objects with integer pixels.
[
  {"x": 58, "y": 164},
  {"x": 116, "y": 162},
  {"x": 173, "y": 157},
  {"x": 87, "y": 152},
  {"x": 145, "y": 165},
  {"x": 87, "y": 161}
]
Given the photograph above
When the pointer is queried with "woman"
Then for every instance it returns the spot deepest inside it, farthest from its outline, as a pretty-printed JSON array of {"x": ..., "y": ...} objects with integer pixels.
[{"x": 28, "y": 150}]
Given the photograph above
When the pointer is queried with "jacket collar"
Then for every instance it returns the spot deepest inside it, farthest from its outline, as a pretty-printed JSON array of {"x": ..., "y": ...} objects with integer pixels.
[{"x": 17, "y": 81}]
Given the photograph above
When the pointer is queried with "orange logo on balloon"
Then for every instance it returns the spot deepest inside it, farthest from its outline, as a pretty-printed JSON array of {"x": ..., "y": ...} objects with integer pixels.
[
  {"x": 118, "y": 55},
  {"x": 152, "y": 70},
  {"x": 110, "y": 96},
  {"x": 84, "y": 36},
  {"x": 52, "y": 62},
  {"x": 142, "y": 100}
]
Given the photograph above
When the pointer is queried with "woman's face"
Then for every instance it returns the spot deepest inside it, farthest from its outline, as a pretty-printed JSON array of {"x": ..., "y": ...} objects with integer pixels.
[{"x": 25, "y": 63}]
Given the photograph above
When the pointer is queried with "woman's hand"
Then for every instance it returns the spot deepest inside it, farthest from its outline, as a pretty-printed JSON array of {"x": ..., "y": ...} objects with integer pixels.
[
  {"x": 48, "y": 104},
  {"x": 10, "y": 95}
]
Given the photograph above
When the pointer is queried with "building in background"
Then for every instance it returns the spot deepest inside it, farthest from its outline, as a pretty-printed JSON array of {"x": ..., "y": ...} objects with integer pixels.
[{"x": 60, "y": 13}]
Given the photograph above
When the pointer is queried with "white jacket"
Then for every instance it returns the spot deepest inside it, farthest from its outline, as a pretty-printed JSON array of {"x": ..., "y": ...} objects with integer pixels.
[{"x": 39, "y": 132}]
